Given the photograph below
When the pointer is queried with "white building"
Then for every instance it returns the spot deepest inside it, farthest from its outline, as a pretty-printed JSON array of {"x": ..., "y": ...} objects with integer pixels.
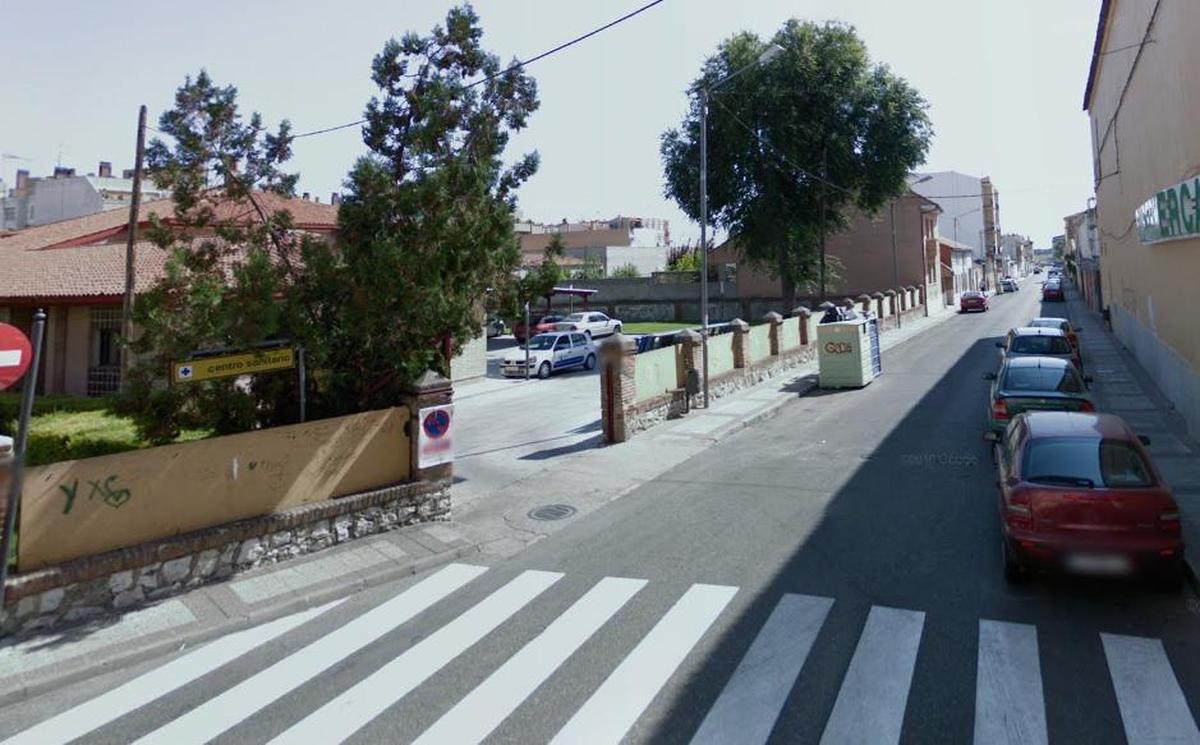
[{"x": 38, "y": 201}]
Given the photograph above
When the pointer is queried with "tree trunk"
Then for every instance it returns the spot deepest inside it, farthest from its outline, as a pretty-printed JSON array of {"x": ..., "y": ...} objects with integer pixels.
[{"x": 788, "y": 294}]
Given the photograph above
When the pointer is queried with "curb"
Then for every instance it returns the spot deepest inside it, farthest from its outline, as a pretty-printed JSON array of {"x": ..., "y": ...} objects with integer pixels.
[{"x": 59, "y": 675}]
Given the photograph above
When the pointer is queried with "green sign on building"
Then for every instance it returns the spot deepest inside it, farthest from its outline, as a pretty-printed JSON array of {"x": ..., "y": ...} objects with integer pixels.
[{"x": 1172, "y": 214}]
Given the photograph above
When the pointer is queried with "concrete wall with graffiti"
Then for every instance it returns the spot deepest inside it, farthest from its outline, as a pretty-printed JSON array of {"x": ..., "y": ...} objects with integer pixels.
[{"x": 83, "y": 507}]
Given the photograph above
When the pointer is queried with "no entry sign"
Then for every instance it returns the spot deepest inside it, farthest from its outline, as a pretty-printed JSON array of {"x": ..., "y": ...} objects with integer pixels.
[{"x": 16, "y": 353}]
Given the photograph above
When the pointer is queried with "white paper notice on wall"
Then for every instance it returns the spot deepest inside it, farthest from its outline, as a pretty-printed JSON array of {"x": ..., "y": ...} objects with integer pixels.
[{"x": 435, "y": 439}]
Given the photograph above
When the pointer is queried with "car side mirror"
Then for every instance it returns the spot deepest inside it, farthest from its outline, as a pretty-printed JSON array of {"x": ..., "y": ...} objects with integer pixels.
[
  {"x": 1000, "y": 344},
  {"x": 989, "y": 376},
  {"x": 1144, "y": 439},
  {"x": 991, "y": 436}
]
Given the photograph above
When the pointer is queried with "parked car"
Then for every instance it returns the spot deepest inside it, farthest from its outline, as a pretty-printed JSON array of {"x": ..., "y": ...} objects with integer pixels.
[
  {"x": 495, "y": 326},
  {"x": 1028, "y": 341},
  {"x": 1008, "y": 284},
  {"x": 972, "y": 300},
  {"x": 595, "y": 325},
  {"x": 1079, "y": 492},
  {"x": 1052, "y": 291},
  {"x": 549, "y": 353},
  {"x": 1035, "y": 384},
  {"x": 1062, "y": 324},
  {"x": 541, "y": 324}
]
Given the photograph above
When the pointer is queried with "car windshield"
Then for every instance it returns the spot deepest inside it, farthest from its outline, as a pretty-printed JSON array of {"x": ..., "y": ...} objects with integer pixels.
[
  {"x": 1048, "y": 323},
  {"x": 970, "y": 294},
  {"x": 574, "y": 318},
  {"x": 542, "y": 341},
  {"x": 1040, "y": 345},
  {"x": 1087, "y": 462},
  {"x": 1062, "y": 379}
]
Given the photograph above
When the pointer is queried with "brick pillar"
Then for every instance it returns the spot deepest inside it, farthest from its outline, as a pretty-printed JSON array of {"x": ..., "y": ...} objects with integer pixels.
[
  {"x": 922, "y": 297},
  {"x": 847, "y": 303},
  {"x": 776, "y": 322},
  {"x": 890, "y": 294},
  {"x": 740, "y": 329},
  {"x": 903, "y": 295},
  {"x": 618, "y": 371},
  {"x": 878, "y": 298},
  {"x": 803, "y": 314},
  {"x": 864, "y": 300},
  {"x": 431, "y": 389}
]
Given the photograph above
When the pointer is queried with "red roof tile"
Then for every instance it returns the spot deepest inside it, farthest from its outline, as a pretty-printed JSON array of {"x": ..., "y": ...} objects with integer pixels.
[{"x": 85, "y": 257}]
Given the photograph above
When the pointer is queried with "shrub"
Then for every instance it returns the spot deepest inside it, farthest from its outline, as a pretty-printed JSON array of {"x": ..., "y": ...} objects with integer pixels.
[
  {"x": 626, "y": 270},
  {"x": 10, "y": 407}
]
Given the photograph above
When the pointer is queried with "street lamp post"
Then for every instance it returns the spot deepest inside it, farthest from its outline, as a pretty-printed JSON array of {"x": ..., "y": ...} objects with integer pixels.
[{"x": 769, "y": 54}]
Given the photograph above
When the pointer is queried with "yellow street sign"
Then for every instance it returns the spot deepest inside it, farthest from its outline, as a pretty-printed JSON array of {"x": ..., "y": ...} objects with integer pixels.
[{"x": 233, "y": 365}]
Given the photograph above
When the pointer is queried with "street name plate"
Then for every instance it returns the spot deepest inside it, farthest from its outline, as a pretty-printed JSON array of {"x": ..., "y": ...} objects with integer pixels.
[{"x": 233, "y": 365}]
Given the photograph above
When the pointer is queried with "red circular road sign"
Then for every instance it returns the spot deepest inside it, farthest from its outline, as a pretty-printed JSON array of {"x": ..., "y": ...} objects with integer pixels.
[{"x": 15, "y": 355}]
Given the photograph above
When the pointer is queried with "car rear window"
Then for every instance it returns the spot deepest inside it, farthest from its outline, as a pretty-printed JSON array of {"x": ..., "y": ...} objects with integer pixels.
[
  {"x": 1079, "y": 461},
  {"x": 1063, "y": 380},
  {"x": 1048, "y": 323},
  {"x": 1040, "y": 345}
]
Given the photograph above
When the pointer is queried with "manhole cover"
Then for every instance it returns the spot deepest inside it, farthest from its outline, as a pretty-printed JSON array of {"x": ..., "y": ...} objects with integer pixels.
[{"x": 552, "y": 512}]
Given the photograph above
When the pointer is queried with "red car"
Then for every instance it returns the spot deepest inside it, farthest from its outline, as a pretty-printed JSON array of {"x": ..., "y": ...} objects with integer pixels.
[
  {"x": 541, "y": 324},
  {"x": 1052, "y": 291},
  {"x": 972, "y": 300},
  {"x": 1079, "y": 493}
]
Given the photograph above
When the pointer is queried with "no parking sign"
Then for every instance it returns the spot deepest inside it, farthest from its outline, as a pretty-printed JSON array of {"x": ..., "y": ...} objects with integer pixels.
[
  {"x": 15, "y": 355},
  {"x": 435, "y": 439}
]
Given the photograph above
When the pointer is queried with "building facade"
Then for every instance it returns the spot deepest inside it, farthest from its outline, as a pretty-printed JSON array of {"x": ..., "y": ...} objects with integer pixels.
[
  {"x": 642, "y": 243},
  {"x": 970, "y": 215},
  {"x": 39, "y": 201},
  {"x": 1081, "y": 254},
  {"x": 1142, "y": 104},
  {"x": 960, "y": 272},
  {"x": 862, "y": 259}
]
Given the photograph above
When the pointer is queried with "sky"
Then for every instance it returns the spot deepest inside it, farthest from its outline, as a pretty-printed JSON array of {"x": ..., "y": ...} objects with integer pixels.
[{"x": 1004, "y": 82}]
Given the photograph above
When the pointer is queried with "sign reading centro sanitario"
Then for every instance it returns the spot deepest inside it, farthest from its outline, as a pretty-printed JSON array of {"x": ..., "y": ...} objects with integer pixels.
[
  {"x": 233, "y": 365},
  {"x": 1171, "y": 214}
]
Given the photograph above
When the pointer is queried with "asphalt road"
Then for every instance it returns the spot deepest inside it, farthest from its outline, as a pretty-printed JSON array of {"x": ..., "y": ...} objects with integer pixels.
[{"x": 832, "y": 575}]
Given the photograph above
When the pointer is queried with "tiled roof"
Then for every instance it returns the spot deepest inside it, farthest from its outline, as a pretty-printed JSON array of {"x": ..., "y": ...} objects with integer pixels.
[{"x": 85, "y": 257}]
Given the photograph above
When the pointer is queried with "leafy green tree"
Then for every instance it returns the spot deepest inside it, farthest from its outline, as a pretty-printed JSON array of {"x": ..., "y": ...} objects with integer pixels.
[
  {"x": 796, "y": 145},
  {"x": 224, "y": 266},
  {"x": 629, "y": 270},
  {"x": 590, "y": 269},
  {"x": 685, "y": 258},
  {"x": 426, "y": 225},
  {"x": 535, "y": 284}
]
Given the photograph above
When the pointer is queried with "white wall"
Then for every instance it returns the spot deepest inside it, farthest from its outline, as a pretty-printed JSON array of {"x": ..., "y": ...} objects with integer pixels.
[
  {"x": 647, "y": 259},
  {"x": 970, "y": 225}
]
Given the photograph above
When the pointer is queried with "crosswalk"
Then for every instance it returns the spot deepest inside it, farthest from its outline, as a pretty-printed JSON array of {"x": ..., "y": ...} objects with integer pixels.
[{"x": 870, "y": 705}]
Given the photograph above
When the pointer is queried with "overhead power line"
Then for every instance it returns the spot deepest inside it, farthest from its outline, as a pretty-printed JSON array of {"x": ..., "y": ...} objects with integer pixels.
[{"x": 517, "y": 66}]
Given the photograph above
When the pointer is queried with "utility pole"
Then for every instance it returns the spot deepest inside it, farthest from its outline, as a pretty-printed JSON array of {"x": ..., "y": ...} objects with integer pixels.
[
  {"x": 135, "y": 203},
  {"x": 824, "y": 176},
  {"x": 895, "y": 260}
]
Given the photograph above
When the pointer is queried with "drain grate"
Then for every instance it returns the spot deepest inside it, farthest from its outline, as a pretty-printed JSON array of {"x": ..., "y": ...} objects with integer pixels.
[{"x": 552, "y": 512}]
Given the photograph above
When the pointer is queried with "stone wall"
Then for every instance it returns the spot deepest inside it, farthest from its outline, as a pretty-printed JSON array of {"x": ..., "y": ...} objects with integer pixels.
[{"x": 87, "y": 588}]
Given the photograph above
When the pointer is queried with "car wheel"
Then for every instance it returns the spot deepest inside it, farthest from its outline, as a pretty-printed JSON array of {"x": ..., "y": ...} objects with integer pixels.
[
  {"x": 544, "y": 370},
  {"x": 617, "y": 329},
  {"x": 588, "y": 333},
  {"x": 1014, "y": 573},
  {"x": 590, "y": 362}
]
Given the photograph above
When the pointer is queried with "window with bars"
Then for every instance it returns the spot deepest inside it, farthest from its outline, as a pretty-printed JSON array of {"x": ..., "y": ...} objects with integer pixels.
[{"x": 104, "y": 356}]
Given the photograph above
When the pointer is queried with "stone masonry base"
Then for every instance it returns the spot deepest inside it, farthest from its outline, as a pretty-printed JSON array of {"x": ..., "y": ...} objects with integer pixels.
[{"x": 86, "y": 588}]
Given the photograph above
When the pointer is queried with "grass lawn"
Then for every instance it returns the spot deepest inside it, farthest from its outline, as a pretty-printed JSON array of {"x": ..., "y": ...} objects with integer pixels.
[
  {"x": 654, "y": 327},
  {"x": 67, "y": 435}
]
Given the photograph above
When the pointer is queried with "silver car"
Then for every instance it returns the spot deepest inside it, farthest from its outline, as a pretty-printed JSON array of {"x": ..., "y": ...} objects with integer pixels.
[{"x": 1029, "y": 341}]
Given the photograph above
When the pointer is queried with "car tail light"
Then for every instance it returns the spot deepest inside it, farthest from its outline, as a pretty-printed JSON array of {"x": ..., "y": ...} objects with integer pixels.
[
  {"x": 999, "y": 409},
  {"x": 1086, "y": 406},
  {"x": 1018, "y": 513},
  {"x": 1170, "y": 522}
]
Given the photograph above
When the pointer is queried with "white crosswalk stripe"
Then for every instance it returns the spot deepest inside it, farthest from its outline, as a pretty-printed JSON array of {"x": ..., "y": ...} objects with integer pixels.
[
  {"x": 872, "y": 697},
  {"x": 870, "y": 705},
  {"x": 1153, "y": 708},
  {"x": 108, "y": 707},
  {"x": 624, "y": 695},
  {"x": 752, "y": 699},
  {"x": 484, "y": 708},
  {"x": 1009, "y": 707},
  {"x": 354, "y": 709},
  {"x": 218, "y": 714}
]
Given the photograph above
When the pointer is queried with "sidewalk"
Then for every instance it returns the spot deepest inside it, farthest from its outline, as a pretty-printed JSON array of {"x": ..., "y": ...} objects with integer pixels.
[
  {"x": 1122, "y": 387},
  {"x": 487, "y": 527}
]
